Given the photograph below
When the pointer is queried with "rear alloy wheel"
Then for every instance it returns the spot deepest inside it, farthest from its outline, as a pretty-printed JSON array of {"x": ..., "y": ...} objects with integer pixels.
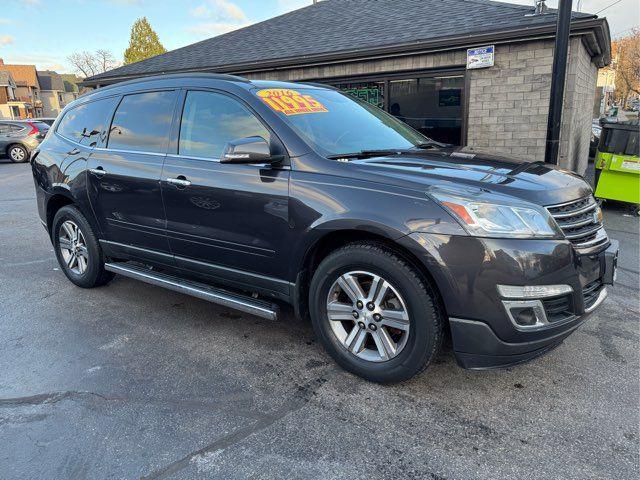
[
  {"x": 18, "y": 154},
  {"x": 77, "y": 248},
  {"x": 73, "y": 248}
]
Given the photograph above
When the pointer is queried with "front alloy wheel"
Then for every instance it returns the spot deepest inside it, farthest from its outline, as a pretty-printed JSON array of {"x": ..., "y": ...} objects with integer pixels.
[
  {"x": 373, "y": 326},
  {"x": 374, "y": 312}
]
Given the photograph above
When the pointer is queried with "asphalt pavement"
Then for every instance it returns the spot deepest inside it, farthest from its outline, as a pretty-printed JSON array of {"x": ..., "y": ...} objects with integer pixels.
[{"x": 132, "y": 381}]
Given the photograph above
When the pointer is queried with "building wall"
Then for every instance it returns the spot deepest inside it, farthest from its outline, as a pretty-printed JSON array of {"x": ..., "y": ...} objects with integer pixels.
[
  {"x": 50, "y": 103},
  {"x": 580, "y": 94},
  {"x": 508, "y": 103},
  {"x": 5, "y": 111}
]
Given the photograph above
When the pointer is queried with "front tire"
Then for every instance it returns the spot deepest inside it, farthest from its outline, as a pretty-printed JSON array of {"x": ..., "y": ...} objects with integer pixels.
[
  {"x": 17, "y": 153},
  {"x": 78, "y": 250},
  {"x": 375, "y": 313}
]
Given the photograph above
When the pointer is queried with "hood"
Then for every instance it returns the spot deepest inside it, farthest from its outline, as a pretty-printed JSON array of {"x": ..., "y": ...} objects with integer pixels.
[{"x": 534, "y": 182}]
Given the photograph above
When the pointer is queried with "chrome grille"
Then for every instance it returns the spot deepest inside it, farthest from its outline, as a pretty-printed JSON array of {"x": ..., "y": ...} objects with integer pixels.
[{"x": 579, "y": 222}]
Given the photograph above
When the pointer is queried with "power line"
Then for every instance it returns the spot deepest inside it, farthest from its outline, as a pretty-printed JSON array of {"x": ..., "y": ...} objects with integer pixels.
[{"x": 614, "y": 3}]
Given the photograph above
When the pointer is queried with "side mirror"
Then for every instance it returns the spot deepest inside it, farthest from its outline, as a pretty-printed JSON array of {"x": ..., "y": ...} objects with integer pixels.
[{"x": 248, "y": 150}]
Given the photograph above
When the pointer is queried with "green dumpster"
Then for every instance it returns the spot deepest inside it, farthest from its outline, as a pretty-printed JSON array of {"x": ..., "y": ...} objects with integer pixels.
[{"x": 618, "y": 164}]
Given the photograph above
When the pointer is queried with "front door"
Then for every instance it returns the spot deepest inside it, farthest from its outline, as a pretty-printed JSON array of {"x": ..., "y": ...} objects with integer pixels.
[
  {"x": 124, "y": 177},
  {"x": 227, "y": 221}
]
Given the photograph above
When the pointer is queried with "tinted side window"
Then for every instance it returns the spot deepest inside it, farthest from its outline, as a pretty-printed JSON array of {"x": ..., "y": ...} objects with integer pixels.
[
  {"x": 4, "y": 128},
  {"x": 84, "y": 123},
  {"x": 210, "y": 120},
  {"x": 142, "y": 122}
]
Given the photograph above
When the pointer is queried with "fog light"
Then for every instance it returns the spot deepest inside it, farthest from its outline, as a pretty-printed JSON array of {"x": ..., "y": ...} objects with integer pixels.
[{"x": 526, "y": 314}]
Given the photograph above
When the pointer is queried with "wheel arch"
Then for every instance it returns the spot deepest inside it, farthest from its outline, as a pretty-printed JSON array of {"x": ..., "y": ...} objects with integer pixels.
[
  {"x": 335, "y": 239},
  {"x": 59, "y": 199}
]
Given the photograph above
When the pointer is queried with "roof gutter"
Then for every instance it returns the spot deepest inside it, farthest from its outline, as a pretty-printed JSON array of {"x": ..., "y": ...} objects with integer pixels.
[{"x": 596, "y": 31}]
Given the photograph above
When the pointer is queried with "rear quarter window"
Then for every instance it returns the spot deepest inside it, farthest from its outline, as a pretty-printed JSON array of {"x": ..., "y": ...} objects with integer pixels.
[{"x": 85, "y": 123}]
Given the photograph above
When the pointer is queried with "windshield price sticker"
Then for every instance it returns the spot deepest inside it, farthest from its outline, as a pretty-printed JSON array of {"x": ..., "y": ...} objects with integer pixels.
[{"x": 290, "y": 102}]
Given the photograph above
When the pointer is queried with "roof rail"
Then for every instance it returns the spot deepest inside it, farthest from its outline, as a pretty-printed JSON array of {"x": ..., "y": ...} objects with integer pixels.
[{"x": 150, "y": 78}]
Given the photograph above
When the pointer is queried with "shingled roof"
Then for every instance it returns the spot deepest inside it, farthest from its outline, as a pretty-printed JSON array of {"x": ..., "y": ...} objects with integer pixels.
[
  {"x": 50, "y": 80},
  {"x": 348, "y": 28}
]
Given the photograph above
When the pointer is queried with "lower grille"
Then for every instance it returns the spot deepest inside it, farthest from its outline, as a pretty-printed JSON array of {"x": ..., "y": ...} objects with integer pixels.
[
  {"x": 558, "y": 309},
  {"x": 590, "y": 293},
  {"x": 580, "y": 222}
]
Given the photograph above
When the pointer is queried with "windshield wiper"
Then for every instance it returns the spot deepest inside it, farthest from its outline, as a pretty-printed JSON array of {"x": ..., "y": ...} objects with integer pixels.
[
  {"x": 370, "y": 153},
  {"x": 431, "y": 144},
  {"x": 389, "y": 151}
]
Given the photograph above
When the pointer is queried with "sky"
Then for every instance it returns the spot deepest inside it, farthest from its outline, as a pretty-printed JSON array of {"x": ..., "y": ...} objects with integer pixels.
[{"x": 46, "y": 32}]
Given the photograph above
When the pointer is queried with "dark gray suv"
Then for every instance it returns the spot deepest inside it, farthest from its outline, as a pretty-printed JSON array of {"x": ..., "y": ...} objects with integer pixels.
[
  {"x": 19, "y": 137},
  {"x": 241, "y": 192}
]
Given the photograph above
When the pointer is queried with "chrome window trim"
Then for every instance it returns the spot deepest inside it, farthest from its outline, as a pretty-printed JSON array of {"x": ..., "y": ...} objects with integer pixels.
[
  {"x": 217, "y": 160},
  {"x": 121, "y": 150},
  {"x": 193, "y": 157},
  {"x": 115, "y": 150}
]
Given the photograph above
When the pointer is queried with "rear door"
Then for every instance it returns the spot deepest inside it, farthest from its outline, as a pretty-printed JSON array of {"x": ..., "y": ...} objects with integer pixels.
[
  {"x": 124, "y": 175},
  {"x": 4, "y": 136},
  {"x": 228, "y": 221}
]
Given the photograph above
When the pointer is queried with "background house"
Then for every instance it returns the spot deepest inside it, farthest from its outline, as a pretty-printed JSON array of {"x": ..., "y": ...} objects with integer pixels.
[
  {"x": 411, "y": 58},
  {"x": 27, "y": 92},
  {"x": 52, "y": 92},
  {"x": 8, "y": 96},
  {"x": 71, "y": 88}
]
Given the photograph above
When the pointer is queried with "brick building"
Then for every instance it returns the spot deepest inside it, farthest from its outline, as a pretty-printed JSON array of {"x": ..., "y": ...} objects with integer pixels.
[
  {"x": 27, "y": 92},
  {"x": 412, "y": 58}
]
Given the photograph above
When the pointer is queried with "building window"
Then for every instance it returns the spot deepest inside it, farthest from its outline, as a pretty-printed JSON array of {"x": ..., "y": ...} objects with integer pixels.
[
  {"x": 371, "y": 92},
  {"x": 432, "y": 105}
]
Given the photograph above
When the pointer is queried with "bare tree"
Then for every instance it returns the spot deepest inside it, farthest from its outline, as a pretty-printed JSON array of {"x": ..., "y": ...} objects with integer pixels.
[
  {"x": 106, "y": 60},
  {"x": 89, "y": 64}
]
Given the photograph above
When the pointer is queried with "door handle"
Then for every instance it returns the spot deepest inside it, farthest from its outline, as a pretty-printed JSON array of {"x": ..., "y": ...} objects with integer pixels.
[
  {"x": 181, "y": 181},
  {"x": 98, "y": 171}
]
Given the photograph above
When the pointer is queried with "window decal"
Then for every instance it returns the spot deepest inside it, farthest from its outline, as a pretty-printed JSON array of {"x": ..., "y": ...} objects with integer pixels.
[{"x": 290, "y": 102}]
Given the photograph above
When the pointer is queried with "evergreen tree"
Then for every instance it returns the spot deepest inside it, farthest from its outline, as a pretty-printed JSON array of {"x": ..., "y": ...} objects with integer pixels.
[{"x": 144, "y": 42}]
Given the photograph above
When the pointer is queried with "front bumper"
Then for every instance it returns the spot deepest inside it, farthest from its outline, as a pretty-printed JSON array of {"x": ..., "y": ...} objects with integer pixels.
[{"x": 477, "y": 346}]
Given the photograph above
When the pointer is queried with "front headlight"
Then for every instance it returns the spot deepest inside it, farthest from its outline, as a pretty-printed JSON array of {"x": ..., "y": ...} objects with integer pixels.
[{"x": 484, "y": 218}]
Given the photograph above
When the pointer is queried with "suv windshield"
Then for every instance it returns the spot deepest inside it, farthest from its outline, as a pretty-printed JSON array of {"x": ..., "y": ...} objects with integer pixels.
[{"x": 334, "y": 123}]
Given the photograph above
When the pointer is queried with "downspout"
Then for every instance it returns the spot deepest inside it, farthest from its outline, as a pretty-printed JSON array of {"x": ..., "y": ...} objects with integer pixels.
[{"x": 559, "y": 73}]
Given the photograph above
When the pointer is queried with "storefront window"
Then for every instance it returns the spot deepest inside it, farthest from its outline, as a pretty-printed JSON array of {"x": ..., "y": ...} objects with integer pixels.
[
  {"x": 371, "y": 92},
  {"x": 431, "y": 105}
]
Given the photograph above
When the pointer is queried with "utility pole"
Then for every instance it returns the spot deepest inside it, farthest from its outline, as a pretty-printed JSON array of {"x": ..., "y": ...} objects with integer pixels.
[{"x": 558, "y": 75}]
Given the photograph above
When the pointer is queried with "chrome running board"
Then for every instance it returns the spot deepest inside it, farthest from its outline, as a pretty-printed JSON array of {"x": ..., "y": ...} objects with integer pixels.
[{"x": 242, "y": 303}]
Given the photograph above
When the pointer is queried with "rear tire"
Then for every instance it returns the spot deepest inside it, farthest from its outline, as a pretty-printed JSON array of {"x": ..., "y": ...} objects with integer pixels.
[
  {"x": 78, "y": 250},
  {"x": 17, "y": 153},
  {"x": 408, "y": 304}
]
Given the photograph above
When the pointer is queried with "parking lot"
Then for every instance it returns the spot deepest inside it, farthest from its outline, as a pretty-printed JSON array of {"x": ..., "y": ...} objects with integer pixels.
[{"x": 132, "y": 381}]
